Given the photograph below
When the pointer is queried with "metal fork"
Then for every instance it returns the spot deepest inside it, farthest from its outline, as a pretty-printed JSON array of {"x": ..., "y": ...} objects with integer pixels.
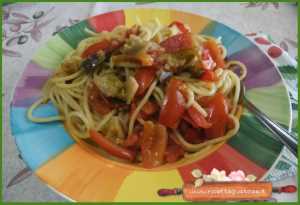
[{"x": 287, "y": 138}]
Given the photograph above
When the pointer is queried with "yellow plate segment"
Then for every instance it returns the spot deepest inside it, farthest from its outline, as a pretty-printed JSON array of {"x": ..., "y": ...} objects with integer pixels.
[
  {"x": 195, "y": 22},
  {"x": 142, "y": 186},
  {"x": 141, "y": 15}
]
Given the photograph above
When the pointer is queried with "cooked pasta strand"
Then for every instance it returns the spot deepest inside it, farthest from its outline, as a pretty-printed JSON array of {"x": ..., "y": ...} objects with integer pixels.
[{"x": 105, "y": 106}]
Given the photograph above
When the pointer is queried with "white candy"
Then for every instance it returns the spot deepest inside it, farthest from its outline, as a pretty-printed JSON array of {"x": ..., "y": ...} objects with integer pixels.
[
  {"x": 196, "y": 173},
  {"x": 250, "y": 178},
  {"x": 207, "y": 178},
  {"x": 217, "y": 175},
  {"x": 198, "y": 182}
]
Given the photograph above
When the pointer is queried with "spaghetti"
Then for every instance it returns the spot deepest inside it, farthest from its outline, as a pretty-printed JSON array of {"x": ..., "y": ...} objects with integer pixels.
[{"x": 146, "y": 94}]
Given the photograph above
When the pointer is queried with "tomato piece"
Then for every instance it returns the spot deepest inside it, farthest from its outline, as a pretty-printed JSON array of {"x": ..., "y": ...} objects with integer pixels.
[
  {"x": 173, "y": 106},
  {"x": 205, "y": 55},
  {"x": 145, "y": 59},
  {"x": 173, "y": 153},
  {"x": 218, "y": 116},
  {"x": 198, "y": 118},
  {"x": 193, "y": 136},
  {"x": 153, "y": 144},
  {"x": 215, "y": 53},
  {"x": 188, "y": 119},
  {"x": 208, "y": 75},
  {"x": 105, "y": 45},
  {"x": 131, "y": 140},
  {"x": 180, "y": 26},
  {"x": 178, "y": 42},
  {"x": 144, "y": 78},
  {"x": 155, "y": 56},
  {"x": 110, "y": 147},
  {"x": 207, "y": 63},
  {"x": 183, "y": 126},
  {"x": 92, "y": 49},
  {"x": 204, "y": 101},
  {"x": 150, "y": 108},
  {"x": 97, "y": 101},
  {"x": 146, "y": 144}
]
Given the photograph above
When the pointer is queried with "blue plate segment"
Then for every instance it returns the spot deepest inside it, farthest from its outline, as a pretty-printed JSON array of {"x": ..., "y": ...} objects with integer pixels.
[
  {"x": 231, "y": 39},
  {"x": 38, "y": 142}
]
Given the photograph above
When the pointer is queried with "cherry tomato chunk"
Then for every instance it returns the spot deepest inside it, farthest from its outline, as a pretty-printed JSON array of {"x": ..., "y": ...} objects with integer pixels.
[
  {"x": 111, "y": 147},
  {"x": 173, "y": 106},
  {"x": 179, "y": 42}
]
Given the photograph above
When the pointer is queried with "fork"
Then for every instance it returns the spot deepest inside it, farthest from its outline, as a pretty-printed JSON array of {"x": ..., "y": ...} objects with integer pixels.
[{"x": 285, "y": 137}]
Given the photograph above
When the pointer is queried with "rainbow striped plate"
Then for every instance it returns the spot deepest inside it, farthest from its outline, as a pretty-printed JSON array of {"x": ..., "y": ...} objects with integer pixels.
[{"x": 83, "y": 176}]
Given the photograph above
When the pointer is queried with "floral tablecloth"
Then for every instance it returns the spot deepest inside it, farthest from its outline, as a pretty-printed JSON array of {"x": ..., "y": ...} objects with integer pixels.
[{"x": 27, "y": 26}]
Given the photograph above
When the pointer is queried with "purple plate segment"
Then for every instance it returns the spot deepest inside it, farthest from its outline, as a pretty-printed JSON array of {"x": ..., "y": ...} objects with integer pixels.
[
  {"x": 26, "y": 98},
  {"x": 30, "y": 85},
  {"x": 261, "y": 71}
]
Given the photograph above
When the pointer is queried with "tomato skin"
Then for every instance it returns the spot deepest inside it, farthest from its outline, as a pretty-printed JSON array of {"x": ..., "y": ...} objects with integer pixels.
[
  {"x": 153, "y": 144},
  {"x": 193, "y": 136},
  {"x": 206, "y": 62},
  {"x": 215, "y": 53},
  {"x": 188, "y": 119},
  {"x": 150, "y": 108},
  {"x": 173, "y": 153},
  {"x": 178, "y": 42},
  {"x": 106, "y": 45},
  {"x": 92, "y": 49},
  {"x": 110, "y": 147},
  {"x": 218, "y": 116},
  {"x": 204, "y": 101},
  {"x": 208, "y": 75},
  {"x": 97, "y": 101},
  {"x": 131, "y": 140},
  {"x": 144, "y": 77},
  {"x": 180, "y": 26},
  {"x": 198, "y": 118},
  {"x": 205, "y": 55},
  {"x": 173, "y": 106}
]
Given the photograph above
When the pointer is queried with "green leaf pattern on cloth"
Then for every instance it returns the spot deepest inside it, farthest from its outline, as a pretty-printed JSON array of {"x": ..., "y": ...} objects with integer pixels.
[
  {"x": 285, "y": 166},
  {"x": 282, "y": 165}
]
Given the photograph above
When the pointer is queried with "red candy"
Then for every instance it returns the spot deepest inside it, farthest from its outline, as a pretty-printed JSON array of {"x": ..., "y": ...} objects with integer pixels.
[
  {"x": 262, "y": 41},
  {"x": 288, "y": 189},
  {"x": 274, "y": 51}
]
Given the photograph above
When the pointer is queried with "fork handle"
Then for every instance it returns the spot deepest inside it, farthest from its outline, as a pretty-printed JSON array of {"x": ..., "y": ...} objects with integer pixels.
[{"x": 288, "y": 139}]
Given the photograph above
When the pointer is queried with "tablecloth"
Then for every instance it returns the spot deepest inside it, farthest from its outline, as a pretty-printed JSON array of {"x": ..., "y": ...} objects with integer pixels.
[{"x": 27, "y": 26}]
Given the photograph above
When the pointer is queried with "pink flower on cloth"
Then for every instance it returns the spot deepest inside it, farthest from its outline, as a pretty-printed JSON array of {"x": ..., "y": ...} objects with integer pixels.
[{"x": 238, "y": 175}]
